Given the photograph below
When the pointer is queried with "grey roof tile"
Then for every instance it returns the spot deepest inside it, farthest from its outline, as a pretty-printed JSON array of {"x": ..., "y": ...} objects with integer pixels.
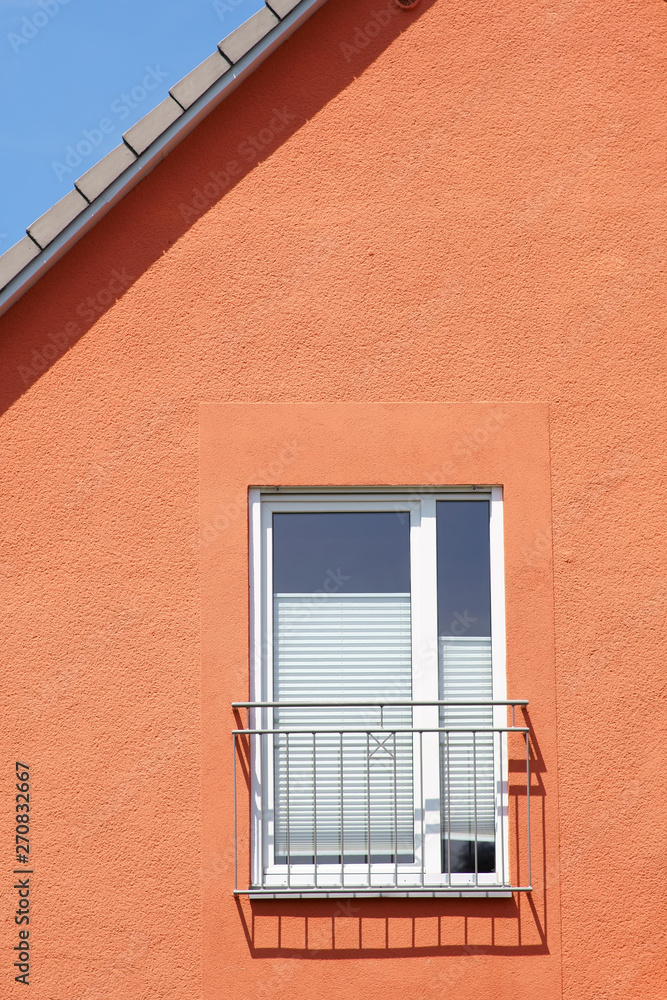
[
  {"x": 198, "y": 81},
  {"x": 98, "y": 178},
  {"x": 45, "y": 229},
  {"x": 240, "y": 41},
  {"x": 152, "y": 125},
  {"x": 283, "y": 7},
  {"x": 16, "y": 258}
]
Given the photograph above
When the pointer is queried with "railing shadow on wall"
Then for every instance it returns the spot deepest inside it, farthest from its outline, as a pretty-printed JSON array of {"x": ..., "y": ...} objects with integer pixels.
[
  {"x": 329, "y": 52},
  {"x": 354, "y": 927}
]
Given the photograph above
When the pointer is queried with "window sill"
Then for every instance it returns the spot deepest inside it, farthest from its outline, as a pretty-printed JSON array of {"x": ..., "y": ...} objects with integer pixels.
[{"x": 428, "y": 893}]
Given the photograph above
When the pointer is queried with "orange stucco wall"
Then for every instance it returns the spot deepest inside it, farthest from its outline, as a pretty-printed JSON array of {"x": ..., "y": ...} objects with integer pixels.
[
  {"x": 388, "y": 444},
  {"x": 467, "y": 206}
]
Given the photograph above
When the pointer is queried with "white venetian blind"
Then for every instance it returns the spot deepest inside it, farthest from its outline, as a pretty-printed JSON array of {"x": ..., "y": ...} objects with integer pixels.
[
  {"x": 466, "y": 763},
  {"x": 342, "y": 795}
]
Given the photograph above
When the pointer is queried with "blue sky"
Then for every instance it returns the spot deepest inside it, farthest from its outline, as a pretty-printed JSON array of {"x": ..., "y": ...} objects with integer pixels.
[{"x": 67, "y": 65}]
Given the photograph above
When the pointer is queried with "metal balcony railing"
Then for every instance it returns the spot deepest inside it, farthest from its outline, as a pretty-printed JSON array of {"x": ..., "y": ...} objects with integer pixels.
[{"x": 393, "y": 797}]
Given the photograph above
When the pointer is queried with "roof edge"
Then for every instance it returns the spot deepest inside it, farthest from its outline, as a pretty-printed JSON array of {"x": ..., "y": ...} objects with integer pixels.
[{"x": 147, "y": 160}]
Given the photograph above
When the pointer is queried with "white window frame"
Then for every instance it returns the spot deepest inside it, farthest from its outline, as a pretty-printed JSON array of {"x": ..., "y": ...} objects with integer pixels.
[{"x": 420, "y": 505}]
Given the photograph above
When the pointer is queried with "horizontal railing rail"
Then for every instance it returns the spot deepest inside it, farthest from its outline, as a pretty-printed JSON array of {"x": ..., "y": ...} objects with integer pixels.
[
  {"x": 373, "y": 702},
  {"x": 314, "y": 730},
  {"x": 366, "y": 806}
]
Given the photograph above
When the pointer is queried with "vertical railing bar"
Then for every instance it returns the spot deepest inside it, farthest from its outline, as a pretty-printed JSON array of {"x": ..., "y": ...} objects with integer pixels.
[
  {"x": 342, "y": 816},
  {"x": 530, "y": 874},
  {"x": 262, "y": 810},
  {"x": 236, "y": 840},
  {"x": 250, "y": 717},
  {"x": 501, "y": 766},
  {"x": 368, "y": 803},
  {"x": 422, "y": 807},
  {"x": 314, "y": 810},
  {"x": 395, "y": 815},
  {"x": 449, "y": 815},
  {"x": 474, "y": 792},
  {"x": 381, "y": 716},
  {"x": 287, "y": 792},
  {"x": 253, "y": 716}
]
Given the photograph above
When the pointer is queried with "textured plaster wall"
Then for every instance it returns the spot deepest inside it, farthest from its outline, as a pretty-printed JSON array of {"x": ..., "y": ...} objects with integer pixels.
[
  {"x": 469, "y": 205},
  {"x": 438, "y": 946}
]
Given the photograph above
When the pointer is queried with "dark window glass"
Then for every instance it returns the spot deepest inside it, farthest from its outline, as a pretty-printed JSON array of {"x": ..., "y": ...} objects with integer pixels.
[
  {"x": 353, "y": 553},
  {"x": 465, "y": 671},
  {"x": 464, "y": 573}
]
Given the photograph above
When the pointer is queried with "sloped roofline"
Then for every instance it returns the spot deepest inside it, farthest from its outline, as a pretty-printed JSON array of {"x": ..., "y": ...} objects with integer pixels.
[{"x": 146, "y": 143}]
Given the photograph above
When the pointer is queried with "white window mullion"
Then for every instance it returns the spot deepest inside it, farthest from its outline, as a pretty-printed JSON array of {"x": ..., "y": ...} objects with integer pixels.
[
  {"x": 264, "y": 744},
  {"x": 425, "y": 680},
  {"x": 498, "y": 645},
  {"x": 258, "y": 673}
]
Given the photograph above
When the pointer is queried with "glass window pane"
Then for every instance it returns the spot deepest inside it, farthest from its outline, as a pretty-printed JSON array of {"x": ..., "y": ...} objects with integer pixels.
[
  {"x": 345, "y": 552},
  {"x": 465, "y": 672},
  {"x": 341, "y": 631},
  {"x": 464, "y": 572}
]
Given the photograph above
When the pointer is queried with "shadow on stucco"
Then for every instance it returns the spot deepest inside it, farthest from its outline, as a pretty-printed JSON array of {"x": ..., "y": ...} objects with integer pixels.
[{"x": 307, "y": 72}]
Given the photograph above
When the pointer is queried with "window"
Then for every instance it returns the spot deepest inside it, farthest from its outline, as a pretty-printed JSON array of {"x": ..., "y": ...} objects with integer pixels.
[{"x": 378, "y": 720}]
